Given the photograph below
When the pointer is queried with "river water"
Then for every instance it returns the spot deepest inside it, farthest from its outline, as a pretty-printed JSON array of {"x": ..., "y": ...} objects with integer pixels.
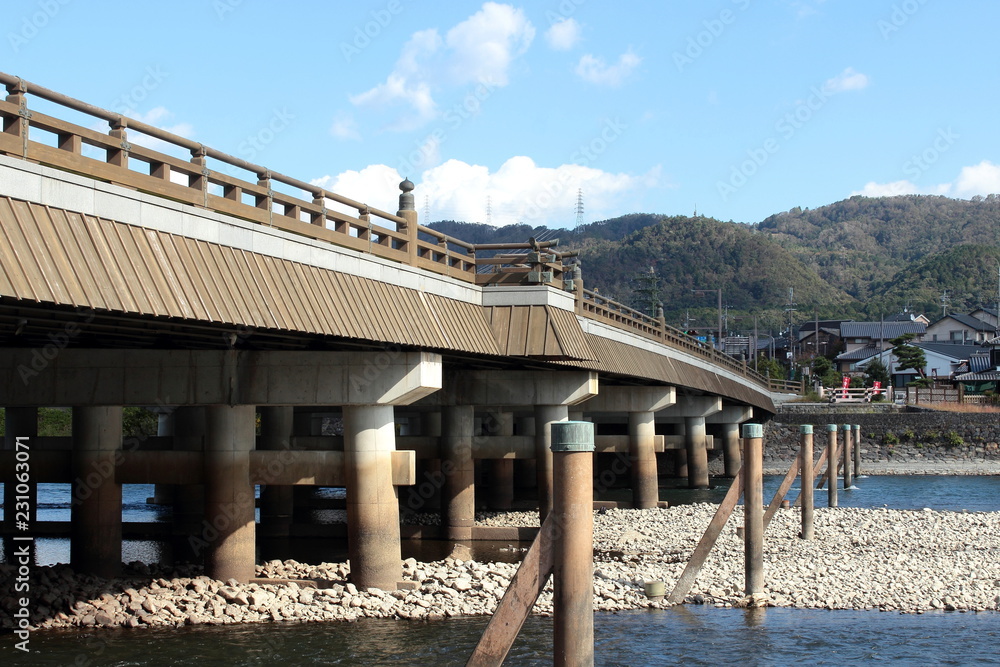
[{"x": 695, "y": 635}]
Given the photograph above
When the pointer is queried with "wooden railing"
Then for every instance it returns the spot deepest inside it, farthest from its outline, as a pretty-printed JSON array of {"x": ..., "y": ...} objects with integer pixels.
[{"x": 206, "y": 180}]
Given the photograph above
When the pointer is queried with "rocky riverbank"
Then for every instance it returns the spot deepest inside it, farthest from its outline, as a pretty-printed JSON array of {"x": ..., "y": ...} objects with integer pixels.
[{"x": 861, "y": 559}]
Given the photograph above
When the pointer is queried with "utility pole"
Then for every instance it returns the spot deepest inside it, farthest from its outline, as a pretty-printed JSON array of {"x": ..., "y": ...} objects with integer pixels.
[{"x": 790, "y": 308}]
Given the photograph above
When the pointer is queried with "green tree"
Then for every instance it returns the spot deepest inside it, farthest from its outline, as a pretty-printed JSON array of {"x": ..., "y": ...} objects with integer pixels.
[
  {"x": 877, "y": 372},
  {"x": 908, "y": 356},
  {"x": 770, "y": 367}
]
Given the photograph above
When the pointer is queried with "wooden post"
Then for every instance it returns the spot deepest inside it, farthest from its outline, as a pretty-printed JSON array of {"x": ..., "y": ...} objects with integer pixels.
[
  {"x": 573, "y": 563},
  {"x": 753, "y": 505},
  {"x": 831, "y": 467},
  {"x": 779, "y": 495},
  {"x": 848, "y": 456},
  {"x": 528, "y": 582},
  {"x": 806, "y": 462},
  {"x": 708, "y": 540},
  {"x": 857, "y": 451}
]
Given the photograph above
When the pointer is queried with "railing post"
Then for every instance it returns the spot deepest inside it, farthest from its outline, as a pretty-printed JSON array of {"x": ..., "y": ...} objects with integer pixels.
[
  {"x": 199, "y": 158},
  {"x": 319, "y": 219},
  {"x": 18, "y": 127},
  {"x": 119, "y": 156},
  {"x": 407, "y": 211}
]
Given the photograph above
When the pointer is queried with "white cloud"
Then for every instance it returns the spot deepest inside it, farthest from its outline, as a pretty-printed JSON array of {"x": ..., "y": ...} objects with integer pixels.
[
  {"x": 345, "y": 127},
  {"x": 847, "y": 80},
  {"x": 563, "y": 35},
  {"x": 481, "y": 48},
  {"x": 519, "y": 191},
  {"x": 595, "y": 70},
  {"x": 980, "y": 179}
]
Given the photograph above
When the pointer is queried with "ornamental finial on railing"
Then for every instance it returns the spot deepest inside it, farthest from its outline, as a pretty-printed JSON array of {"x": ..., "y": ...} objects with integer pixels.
[{"x": 406, "y": 198}]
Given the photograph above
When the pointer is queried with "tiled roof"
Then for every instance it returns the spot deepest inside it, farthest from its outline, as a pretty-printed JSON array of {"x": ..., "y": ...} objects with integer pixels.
[
  {"x": 988, "y": 376},
  {"x": 861, "y": 354},
  {"x": 973, "y": 323},
  {"x": 884, "y": 330},
  {"x": 952, "y": 350}
]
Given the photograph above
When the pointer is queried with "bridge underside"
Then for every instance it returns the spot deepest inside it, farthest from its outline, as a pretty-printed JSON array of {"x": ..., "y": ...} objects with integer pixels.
[{"x": 113, "y": 298}]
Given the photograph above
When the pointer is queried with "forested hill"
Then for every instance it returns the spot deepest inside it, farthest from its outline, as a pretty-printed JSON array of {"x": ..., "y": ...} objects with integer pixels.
[{"x": 860, "y": 257}]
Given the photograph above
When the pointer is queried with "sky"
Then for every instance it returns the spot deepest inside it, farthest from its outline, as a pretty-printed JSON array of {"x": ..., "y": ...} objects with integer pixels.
[{"x": 527, "y": 112}]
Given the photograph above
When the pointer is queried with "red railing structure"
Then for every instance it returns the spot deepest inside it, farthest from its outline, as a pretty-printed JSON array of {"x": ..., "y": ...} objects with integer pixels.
[{"x": 206, "y": 180}]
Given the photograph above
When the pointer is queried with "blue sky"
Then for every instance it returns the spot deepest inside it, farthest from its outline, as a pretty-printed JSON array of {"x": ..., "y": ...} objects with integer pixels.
[{"x": 739, "y": 108}]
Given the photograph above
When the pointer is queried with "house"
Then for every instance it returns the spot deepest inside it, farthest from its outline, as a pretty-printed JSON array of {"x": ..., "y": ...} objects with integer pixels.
[
  {"x": 982, "y": 373},
  {"x": 863, "y": 340},
  {"x": 988, "y": 315},
  {"x": 907, "y": 316},
  {"x": 826, "y": 342},
  {"x": 956, "y": 327},
  {"x": 943, "y": 360}
]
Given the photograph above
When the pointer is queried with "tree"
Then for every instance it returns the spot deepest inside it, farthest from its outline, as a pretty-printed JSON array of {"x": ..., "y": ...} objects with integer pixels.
[
  {"x": 877, "y": 371},
  {"x": 908, "y": 356},
  {"x": 770, "y": 367}
]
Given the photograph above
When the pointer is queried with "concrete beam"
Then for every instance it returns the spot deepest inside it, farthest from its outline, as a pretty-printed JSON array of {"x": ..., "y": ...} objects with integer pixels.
[
  {"x": 631, "y": 399},
  {"x": 515, "y": 388},
  {"x": 731, "y": 414},
  {"x": 690, "y": 406},
  {"x": 198, "y": 377}
]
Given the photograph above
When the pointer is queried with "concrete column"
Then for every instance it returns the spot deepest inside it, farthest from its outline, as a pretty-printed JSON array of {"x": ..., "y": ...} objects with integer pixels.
[
  {"x": 163, "y": 494},
  {"x": 680, "y": 463},
  {"x": 372, "y": 504},
  {"x": 459, "y": 497},
  {"x": 425, "y": 495},
  {"x": 694, "y": 443},
  {"x": 642, "y": 454},
  {"x": 545, "y": 416},
  {"x": 96, "y": 509},
  {"x": 276, "y": 502},
  {"x": 500, "y": 482},
  {"x": 525, "y": 470},
  {"x": 229, "y": 529},
  {"x": 189, "y": 435},
  {"x": 731, "y": 448},
  {"x": 20, "y": 422}
]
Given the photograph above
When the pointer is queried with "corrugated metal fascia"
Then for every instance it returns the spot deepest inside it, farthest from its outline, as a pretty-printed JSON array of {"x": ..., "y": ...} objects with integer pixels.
[
  {"x": 16, "y": 231},
  {"x": 572, "y": 340},
  {"x": 63, "y": 282},
  {"x": 182, "y": 275},
  {"x": 17, "y": 284}
]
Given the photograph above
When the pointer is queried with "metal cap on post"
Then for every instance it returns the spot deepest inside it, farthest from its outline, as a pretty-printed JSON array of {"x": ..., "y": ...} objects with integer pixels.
[
  {"x": 806, "y": 429},
  {"x": 832, "y": 428},
  {"x": 753, "y": 430},
  {"x": 572, "y": 437}
]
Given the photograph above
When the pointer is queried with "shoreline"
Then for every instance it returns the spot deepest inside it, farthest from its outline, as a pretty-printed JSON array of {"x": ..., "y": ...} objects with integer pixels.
[
  {"x": 890, "y": 560},
  {"x": 925, "y": 467}
]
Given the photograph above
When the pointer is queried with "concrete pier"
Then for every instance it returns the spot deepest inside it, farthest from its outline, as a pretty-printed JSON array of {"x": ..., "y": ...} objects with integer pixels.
[
  {"x": 20, "y": 422},
  {"x": 501, "y": 471},
  {"x": 459, "y": 492},
  {"x": 276, "y": 502},
  {"x": 545, "y": 416},
  {"x": 731, "y": 448},
  {"x": 372, "y": 505},
  {"x": 697, "y": 454},
  {"x": 96, "y": 509},
  {"x": 642, "y": 455},
  {"x": 228, "y": 530}
]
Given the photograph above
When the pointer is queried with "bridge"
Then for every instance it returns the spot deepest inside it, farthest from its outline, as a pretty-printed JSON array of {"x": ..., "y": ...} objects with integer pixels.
[{"x": 140, "y": 268}]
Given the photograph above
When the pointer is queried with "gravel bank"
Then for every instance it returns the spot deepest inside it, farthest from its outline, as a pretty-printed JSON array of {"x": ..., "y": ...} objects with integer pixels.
[
  {"x": 909, "y": 468},
  {"x": 892, "y": 560}
]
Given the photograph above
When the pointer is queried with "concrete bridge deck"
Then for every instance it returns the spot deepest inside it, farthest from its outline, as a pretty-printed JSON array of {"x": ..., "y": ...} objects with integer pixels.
[{"x": 132, "y": 277}]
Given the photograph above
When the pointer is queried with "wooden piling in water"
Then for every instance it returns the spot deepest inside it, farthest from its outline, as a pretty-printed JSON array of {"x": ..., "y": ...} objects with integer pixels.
[
  {"x": 573, "y": 555},
  {"x": 806, "y": 462},
  {"x": 832, "y": 464},
  {"x": 848, "y": 457},
  {"x": 857, "y": 450},
  {"x": 753, "y": 505}
]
